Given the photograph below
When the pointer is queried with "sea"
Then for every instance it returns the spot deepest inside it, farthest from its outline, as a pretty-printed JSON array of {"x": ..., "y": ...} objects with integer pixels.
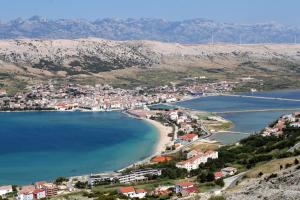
[
  {"x": 246, "y": 123},
  {"x": 37, "y": 146}
]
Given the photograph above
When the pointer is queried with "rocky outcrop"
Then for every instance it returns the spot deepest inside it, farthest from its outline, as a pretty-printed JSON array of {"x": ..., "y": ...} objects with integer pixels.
[{"x": 278, "y": 186}]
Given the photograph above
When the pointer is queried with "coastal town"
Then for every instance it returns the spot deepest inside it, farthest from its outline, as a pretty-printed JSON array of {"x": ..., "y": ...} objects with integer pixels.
[
  {"x": 129, "y": 182},
  {"x": 184, "y": 162},
  {"x": 76, "y": 97},
  {"x": 185, "y": 159}
]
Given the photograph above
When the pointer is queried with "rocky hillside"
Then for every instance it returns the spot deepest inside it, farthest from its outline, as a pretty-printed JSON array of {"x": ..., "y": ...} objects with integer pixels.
[
  {"x": 145, "y": 62},
  {"x": 75, "y": 56},
  {"x": 277, "y": 186},
  {"x": 187, "y": 31}
]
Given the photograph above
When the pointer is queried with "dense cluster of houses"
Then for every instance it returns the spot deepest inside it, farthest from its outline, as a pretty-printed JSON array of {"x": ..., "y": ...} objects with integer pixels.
[
  {"x": 53, "y": 95},
  {"x": 195, "y": 158},
  {"x": 39, "y": 190},
  {"x": 276, "y": 129},
  {"x": 188, "y": 124},
  {"x": 183, "y": 189}
]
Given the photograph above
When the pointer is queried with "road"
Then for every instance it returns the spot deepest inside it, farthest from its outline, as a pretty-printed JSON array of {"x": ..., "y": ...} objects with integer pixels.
[
  {"x": 231, "y": 181},
  {"x": 296, "y": 146}
]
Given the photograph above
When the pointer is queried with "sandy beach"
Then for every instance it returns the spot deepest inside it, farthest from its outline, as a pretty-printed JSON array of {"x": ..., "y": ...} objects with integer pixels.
[{"x": 164, "y": 140}]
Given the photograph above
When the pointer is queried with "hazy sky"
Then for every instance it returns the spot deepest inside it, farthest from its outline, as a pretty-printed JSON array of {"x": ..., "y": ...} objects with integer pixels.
[{"x": 240, "y": 11}]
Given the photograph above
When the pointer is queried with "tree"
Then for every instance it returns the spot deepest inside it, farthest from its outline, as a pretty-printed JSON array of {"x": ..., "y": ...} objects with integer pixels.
[
  {"x": 210, "y": 177},
  {"x": 60, "y": 180},
  {"x": 260, "y": 174},
  {"x": 81, "y": 185},
  {"x": 220, "y": 182},
  {"x": 296, "y": 161},
  {"x": 288, "y": 165},
  {"x": 202, "y": 177}
]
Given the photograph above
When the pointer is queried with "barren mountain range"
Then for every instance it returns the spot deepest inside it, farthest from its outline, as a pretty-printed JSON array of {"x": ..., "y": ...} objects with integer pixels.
[
  {"x": 144, "y": 62},
  {"x": 186, "y": 31}
]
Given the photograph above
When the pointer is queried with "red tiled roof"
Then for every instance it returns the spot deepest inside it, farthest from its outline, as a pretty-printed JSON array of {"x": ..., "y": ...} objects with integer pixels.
[
  {"x": 38, "y": 191},
  {"x": 127, "y": 189},
  {"x": 161, "y": 159},
  {"x": 39, "y": 183},
  {"x": 185, "y": 184},
  {"x": 191, "y": 189},
  {"x": 218, "y": 174},
  {"x": 189, "y": 136},
  {"x": 140, "y": 191}
]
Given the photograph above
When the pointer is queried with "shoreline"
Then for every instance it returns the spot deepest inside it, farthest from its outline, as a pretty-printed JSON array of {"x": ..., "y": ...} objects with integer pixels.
[
  {"x": 161, "y": 130},
  {"x": 163, "y": 139}
]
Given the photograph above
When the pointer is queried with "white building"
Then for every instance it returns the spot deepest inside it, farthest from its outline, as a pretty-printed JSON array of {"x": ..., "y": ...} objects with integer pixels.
[
  {"x": 132, "y": 177},
  {"x": 228, "y": 171},
  {"x": 25, "y": 195},
  {"x": 195, "y": 158},
  {"x": 131, "y": 192},
  {"x": 173, "y": 116},
  {"x": 5, "y": 190}
]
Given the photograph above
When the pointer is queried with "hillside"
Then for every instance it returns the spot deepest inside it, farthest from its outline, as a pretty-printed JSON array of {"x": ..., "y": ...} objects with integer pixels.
[
  {"x": 145, "y": 62},
  {"x": 284, "y": 184},
  {"x": 185, "y": 31}
]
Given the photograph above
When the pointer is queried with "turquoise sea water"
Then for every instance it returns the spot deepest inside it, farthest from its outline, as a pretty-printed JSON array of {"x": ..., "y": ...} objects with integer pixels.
[
  {"x": 246, "y": 122},
  {"x": 44, "y": 145}
]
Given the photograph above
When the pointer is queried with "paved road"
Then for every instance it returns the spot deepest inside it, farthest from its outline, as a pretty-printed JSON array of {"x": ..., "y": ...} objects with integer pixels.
[
  {"x": 296, "y": 146},
  {"x": 231, "y": 181}
]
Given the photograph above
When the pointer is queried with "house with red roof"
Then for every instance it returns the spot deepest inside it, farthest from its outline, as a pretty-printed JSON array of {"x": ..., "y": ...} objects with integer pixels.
[
  {"x": 161, "y": 159},
  {"x": 131, "y": 192},
  {"x": 196, "y": 158},
  {"x": 189, "y": 137},
  {"x": 39, "y": 184},
  {"x": 185, "y": 188},
  {"x": 25, "y": 195},
  {"x": 218, "y": 175},
  {"x": 39, "y": 194}
]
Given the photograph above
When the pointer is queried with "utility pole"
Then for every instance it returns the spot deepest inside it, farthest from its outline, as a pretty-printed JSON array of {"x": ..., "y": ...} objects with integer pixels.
[
  {"x": 212, "y": 38},
  {"x": 295, "y": 39},
  {"x": 240, "y": 39}
]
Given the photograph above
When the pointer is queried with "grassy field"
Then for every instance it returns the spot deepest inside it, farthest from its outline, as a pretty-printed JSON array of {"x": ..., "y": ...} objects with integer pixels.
[
  {"x": 204, "y": 146},
  {"x": 221, "y": 126},
  {"x": 270, "y": 167}
]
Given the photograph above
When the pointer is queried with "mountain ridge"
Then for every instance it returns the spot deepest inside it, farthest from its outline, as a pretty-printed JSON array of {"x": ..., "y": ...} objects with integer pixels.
[{"x": 186, "y": 31}]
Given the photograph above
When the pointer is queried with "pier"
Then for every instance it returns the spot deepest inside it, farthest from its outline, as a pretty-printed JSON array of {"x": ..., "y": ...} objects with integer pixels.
[
  {"x": 234, "y": 132},
  {"x": 257, "y": 110},
  {"x": 260, "y": 97}
]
